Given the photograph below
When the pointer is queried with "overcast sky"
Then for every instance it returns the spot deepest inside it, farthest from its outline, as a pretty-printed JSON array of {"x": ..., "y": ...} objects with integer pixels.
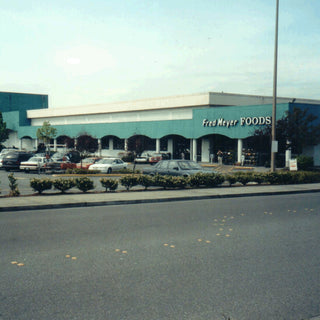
[{"x": 98, "y": 51}]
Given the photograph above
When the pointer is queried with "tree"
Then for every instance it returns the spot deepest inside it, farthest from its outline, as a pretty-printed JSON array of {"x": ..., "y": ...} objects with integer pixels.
[
  {"x": 4, "y": 132},
  {"x": 295, "y": 130},
  {"x": 46, "y": 133},
  {"x": 87, "y": 144}
]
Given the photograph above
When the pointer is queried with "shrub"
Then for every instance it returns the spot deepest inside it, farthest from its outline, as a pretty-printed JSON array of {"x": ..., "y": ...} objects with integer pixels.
[
  {"x": 179, "y": 182},
  {"x": 63, "y": 184},
  {"x": 40, "y": 185},
  {"x": 84, "y": 184},
  {"x": 304, "y": 162},
  {"x": 145, "y": 181},
  {"x": 129, "y": 157},
  {"x": 197, "y": 180},
  {"x": 243, "y": 177},
  {"x": 81, "y": 171},
  {"x": 209, "y": 179},
  {"x": 213, "y": 179},
  {"x": 258, "y": 177},
  {"x": 160, "y": 181},
  {"x": 282, "y": 177},
  {"x": 129, "y": 181},
  {"x": 13, "y": 185},
  {"x": 109, "y": 184},
  {"x": 231, "y": 179},
  {"x": 174, "y": 181}
]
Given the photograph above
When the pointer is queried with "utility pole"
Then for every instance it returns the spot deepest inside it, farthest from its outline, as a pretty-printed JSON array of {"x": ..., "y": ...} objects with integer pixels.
[{"x": 274, "y": 143}]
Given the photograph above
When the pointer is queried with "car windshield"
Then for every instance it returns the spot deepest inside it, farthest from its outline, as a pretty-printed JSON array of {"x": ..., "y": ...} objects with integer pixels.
[
  {"x": 34, "y": 159},
  {"x": 189, "y": 165},
  {"x": 11, "y": 155},
  {"x": 88, "y": 160},
  {"x": 105, "y": 161}
]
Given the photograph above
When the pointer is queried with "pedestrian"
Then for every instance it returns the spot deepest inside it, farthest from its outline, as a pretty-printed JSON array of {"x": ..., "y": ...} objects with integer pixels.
[{"x": 220, "y": 154}]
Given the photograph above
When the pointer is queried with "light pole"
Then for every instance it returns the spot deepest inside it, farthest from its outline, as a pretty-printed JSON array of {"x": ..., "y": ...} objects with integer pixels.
[{"x": 274, "y": 143}]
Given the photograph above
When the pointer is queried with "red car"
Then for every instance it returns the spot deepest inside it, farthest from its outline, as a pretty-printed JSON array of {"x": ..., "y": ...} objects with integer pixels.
[
  {"x": 155, "y": 157},
  {"x": 87, "y": 162}
]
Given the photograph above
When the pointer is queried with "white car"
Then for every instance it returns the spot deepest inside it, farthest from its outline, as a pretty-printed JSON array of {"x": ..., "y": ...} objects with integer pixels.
[
  {"x": 1, "y": 157},
  {"x": 33, "y": 164},
  {"x": 108, "y": 165}
]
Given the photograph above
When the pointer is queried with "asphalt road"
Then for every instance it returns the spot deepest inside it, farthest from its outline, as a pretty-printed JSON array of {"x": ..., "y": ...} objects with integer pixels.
[{"x": 246, "y": 258}]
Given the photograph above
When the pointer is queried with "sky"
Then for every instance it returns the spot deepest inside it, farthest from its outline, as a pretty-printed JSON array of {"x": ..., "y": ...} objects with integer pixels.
[{"x": 101, "y": 51}]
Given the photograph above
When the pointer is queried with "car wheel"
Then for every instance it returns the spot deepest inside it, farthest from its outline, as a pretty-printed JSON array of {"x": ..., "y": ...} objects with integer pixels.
[{"x": 109, "y": 170}]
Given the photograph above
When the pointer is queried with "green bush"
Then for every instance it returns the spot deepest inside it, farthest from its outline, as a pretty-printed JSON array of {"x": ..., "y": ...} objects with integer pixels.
[
  {"x": 304, "y": 162},
  {"x": 109, "y": 184},
  {"x": 40, "y": 185},
  {"x": 209, "y": 179},
  {"x": 81, "y": 171},
  {"x": 128, "y": 157},
  {"x": 145, "y": 181},
  {"x": 244, "y": 177},
  {"x": 174, "y": 182},
  {"x": 197, "y": 180},
  {"x": 213, "y": 179},
  {"x": 63, "y": 184},
  {"x": 231, "y": 179},
  {"x": 129, "y": 181},
  {"x": 84, "y": 184},
  {"x": 258, "y": 177},
  {"x": 13, "y": 185},
  {"x": 160, "y": 181},
  {"x": 295, "y": 177}
]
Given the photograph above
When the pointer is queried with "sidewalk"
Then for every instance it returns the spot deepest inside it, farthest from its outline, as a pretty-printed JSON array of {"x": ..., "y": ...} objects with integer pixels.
[{"x": 90, "y": 199}]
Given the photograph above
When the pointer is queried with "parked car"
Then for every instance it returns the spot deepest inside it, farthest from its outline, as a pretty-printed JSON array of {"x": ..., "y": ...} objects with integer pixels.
[
  {"x": 143, "y": 158},
  {"x": 12, "y": 160},
  {"x": 4, "y": 151},
  {"x": 1, "y": 157},
  {"x": 62, "y": 161},
  {"x": 152, "y": 157},
  {"x": 175, "y": 168},
  {"x": 33, "y": 164},
  {"x": 108, "y": 165},
  {"x": 87, "y": 162}
]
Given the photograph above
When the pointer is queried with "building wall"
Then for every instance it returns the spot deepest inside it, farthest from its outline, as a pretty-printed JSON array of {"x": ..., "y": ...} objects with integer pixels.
[{"x": 192, "y": 117}]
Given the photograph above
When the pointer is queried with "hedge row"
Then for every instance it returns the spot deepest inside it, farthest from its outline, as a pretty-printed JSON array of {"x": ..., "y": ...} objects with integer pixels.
[{"x": 172, "y": 182}]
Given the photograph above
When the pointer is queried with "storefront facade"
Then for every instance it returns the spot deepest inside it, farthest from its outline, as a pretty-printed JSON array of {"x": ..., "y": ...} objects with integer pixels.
[{"x": 193, "y": 126}]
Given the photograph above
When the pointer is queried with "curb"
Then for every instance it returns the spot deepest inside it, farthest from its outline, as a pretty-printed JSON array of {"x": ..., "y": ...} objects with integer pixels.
[{"x": 154, "y": 200}]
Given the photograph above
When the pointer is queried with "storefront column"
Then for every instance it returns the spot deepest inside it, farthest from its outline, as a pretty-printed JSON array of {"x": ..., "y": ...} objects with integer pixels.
[
  {"x": 157, "y": 145},
  {"x": 55, "y": 145},
  {"x": 240, "y": 147},
  {"x": 288, "y": 155},
  {"x": 125, "y": 145},
  {"x": 36, "y": 143},
  {"x": 99, "y": 147},
  {"x": 20, "y": 144},
  {"x": 110, "y": 143},
  {"x": 193, "y": 147},
  {"x": 205, "y": 150},
  {"x": 170, "y": 147},
  {"x": 75, "y": 143}
]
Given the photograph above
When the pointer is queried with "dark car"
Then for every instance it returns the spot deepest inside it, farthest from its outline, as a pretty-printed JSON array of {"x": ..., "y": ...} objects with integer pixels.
[
  {"x": 175, "y": 168},
  {"x": 12, "y": 160}
]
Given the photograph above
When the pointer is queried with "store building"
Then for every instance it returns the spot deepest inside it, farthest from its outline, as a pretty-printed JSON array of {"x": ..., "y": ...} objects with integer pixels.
[{"x": 193, "y": 126}]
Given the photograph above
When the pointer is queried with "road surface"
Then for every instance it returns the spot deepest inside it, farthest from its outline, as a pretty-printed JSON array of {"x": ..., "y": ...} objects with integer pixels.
[{"x": 244, "y": 258}]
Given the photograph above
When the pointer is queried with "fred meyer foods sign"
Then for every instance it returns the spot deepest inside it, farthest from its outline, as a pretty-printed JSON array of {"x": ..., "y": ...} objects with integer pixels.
[{"x": 243, "y": 121}]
